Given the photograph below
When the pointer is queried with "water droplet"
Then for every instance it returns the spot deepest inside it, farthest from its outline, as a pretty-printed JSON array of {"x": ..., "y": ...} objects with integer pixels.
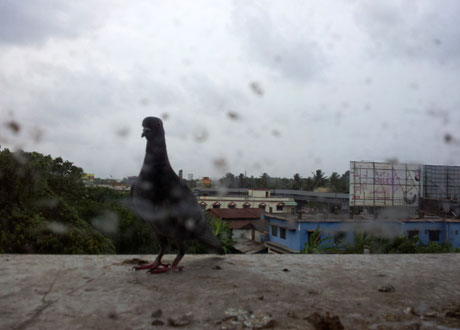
[
  {"x": 256, "y": 88},
  {"x": 14, "y": 126}
]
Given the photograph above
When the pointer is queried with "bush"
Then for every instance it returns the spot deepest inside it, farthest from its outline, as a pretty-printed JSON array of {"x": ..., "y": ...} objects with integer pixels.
[{"x": 400, "y": 244}]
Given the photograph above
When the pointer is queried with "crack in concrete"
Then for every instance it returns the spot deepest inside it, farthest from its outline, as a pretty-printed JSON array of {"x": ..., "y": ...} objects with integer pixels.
[
  {"x": 45, "y": 304},
  {"x": 81, "y": 286}
]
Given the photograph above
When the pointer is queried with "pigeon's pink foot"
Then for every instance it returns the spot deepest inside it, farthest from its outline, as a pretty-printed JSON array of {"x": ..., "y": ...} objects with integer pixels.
[
  {"x": 159, "y": 270},
  {"x": 152, "y": 266}
]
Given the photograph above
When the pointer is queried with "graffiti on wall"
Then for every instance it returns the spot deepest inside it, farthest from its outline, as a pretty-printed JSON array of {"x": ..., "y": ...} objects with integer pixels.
[{"x": 384, "y": 184}]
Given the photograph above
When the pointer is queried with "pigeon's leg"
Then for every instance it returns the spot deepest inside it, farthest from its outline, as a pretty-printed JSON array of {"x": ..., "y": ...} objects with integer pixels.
[
  {"x": 163, "y": 243},
  {"x": 180, "y": 254}
]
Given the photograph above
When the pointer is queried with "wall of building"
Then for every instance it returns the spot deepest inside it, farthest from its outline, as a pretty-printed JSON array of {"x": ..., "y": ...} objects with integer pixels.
[
  {"x": 423, "y": 229},
  {"x": 327, "y": 229},
  {"x": 296, "y": 239},
  {"x": 259, "y": 193},
  {"x": 453, "y": 234},
  {"x": 292, "y": 239},
  {"x": 271, "y": 203},
  {"x": 238, "y": 233}
]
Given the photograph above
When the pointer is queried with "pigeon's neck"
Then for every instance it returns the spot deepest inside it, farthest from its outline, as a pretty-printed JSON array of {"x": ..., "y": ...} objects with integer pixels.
[{"x": 156, "y": 156}]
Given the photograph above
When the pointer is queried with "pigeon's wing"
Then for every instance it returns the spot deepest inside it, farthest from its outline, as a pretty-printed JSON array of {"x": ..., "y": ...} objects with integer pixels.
[{"x": 207, "y": 237}]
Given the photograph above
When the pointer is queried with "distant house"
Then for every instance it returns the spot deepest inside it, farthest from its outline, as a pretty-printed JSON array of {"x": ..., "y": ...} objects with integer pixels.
[
  {"x": 245, "y": 223},
  {"x": 289, "y": 233},
  {"x": 256, "y": 198}
]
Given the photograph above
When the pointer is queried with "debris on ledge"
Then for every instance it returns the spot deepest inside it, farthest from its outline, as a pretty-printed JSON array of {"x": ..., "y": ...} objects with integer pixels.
[{"x": 231, "y": 292}]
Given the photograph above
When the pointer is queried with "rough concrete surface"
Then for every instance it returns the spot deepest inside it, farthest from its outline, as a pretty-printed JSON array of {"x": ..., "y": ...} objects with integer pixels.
[{"x": 232, "y": 292}]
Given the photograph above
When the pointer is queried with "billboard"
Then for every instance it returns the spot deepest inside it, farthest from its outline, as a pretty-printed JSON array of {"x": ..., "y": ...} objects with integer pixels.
[
  {"x": 384, "y": 184},
  {"x": 441, "y": 182}
]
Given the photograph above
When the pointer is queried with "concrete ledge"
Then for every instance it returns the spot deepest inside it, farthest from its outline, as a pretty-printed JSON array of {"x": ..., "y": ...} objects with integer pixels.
[{"x": 230, "y": 292}]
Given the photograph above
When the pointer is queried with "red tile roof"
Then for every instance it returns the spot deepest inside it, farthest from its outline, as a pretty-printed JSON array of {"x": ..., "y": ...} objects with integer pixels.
[
  {"x": 259, "y": 225},
  {"x": 234, "y": 214},
  {"x": 238, "y": 224}
]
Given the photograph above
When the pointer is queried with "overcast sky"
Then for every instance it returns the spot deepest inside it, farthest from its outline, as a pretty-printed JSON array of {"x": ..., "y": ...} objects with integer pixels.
[{"x": 281, "y": 87}]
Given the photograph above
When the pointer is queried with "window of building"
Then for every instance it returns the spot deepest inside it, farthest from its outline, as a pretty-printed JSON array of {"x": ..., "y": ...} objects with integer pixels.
[
  {"x": 203, "y": 206},
  {"x": 280, "y": 206},
  {"x": 274, "y": 230},
  {"x": 433, "y": 235},
  {"x": 412, "y": 233},
  {"x": 231, "y": 205},
  {"x": 283, "y": 233},
  {"x": 309, "y": 233},
  {"x": 246, "y": 205},
  {"x": 339, "y": 237},
  {"x": 216, "y": 205},
  {"x": 262, "y": 206}
]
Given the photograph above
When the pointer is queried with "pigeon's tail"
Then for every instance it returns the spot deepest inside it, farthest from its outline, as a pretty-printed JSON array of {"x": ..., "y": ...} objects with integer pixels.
[{"x": 211, "y": 241}]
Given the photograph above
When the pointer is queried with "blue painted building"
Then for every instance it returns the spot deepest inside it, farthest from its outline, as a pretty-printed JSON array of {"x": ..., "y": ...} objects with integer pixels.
[{"x": 289, "y": 233}]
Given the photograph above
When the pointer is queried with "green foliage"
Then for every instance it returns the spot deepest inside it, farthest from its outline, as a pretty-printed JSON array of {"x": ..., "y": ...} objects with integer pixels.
[
  {"x": 400, "y": 244},
  {"x": 336, "y": 183},
  {"x": 316, "y": 244},
  {"x": 109, "y": 211},
  {"x": 45, "y": 208},
  {"x": 433, "y": 247},
  {"x": 361, "y": 240},
  {"x": 222, "y": 231}
]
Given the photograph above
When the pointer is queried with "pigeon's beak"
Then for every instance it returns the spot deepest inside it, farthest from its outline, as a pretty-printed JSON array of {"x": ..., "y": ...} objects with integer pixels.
[{"x": 145, "y": 130}]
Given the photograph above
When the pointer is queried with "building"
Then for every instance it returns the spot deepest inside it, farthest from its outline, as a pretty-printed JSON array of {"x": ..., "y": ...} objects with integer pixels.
[
  {"x": 245, "y": 223},
  {"x": 289, "y": 233},
  {"x": 249, "y": 228},
  {"x": 254, "y": 199},
  {"x": 324, "y": 201}
]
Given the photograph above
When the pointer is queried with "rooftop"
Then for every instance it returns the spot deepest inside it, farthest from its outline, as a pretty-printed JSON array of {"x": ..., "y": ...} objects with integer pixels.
[
  {"x": 293, "y": 218},
  {"x": 232, "y": 291},
  {"x": 229, "y": 214}
]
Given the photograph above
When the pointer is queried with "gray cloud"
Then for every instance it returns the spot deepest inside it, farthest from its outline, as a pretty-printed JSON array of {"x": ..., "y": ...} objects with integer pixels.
[
  {"x": 280, "y": 48},
  {"x": 327, "y": 100},
  {"x": 413, "y": 30},
  {"x": 34, "y": 22}
]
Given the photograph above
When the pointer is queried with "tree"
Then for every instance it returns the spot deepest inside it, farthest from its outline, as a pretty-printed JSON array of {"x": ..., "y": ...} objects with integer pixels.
[
  {"x": 319, "y": 179},
  {"x": 345, "y": 182},
  {"x": 334, "y": 182},
  {"x": 297, "y": 182},
  {"x": 263, "y": 181},
  {"x": 229, "y": 181},
  {"x": 38, "y": 196}
]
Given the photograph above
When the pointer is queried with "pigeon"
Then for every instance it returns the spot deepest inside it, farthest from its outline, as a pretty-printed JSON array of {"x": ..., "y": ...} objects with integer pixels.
[{"x": 165, "y": 202}]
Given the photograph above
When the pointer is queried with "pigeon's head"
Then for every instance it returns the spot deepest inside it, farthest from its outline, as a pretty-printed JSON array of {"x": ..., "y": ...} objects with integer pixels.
[{"x": 153, "y": 128}]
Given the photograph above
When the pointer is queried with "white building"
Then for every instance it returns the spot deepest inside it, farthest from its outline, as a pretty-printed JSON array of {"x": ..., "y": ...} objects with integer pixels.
[{"x": 256, "y": 198}]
